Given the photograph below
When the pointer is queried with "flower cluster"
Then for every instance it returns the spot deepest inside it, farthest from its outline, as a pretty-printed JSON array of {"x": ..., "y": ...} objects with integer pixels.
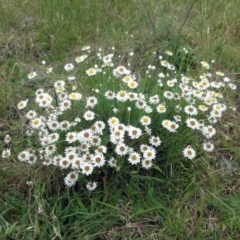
[{"x": 127, "y": 121}]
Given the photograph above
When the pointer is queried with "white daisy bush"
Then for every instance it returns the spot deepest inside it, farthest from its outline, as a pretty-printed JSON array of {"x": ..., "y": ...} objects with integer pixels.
[{"x": 103, "y": 116}]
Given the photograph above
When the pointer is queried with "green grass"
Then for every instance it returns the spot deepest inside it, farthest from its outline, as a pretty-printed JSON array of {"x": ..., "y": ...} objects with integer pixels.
[{"x": 199, "y": 201}]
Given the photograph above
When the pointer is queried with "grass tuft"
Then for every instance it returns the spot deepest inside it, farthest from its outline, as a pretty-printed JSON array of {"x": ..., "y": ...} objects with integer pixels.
[{"x": 177, "y": 198}]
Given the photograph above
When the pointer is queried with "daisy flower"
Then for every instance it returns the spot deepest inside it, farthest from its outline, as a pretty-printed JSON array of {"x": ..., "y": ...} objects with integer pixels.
[
  {"x": 32, "y": 159},
  {"x": 69, "y": 67},
  {"x": 70, "y": 149},
  {"x": 36, "y": 123},
  {"x": 148, "y": 130},
  {"x": 80, "y": 58},
  {"x": 59, "y": 83},
  {"x": 144, "y": 147},
  {"x": 84, "y": 147},
  {"x": 71, "y": 137},
  {"x": 7, "y": 139},
  {"x": 161, "y": 108},
  {"x": 169, "y": 53},
  {"x": 32, "y": 75},
  {"x": 112, "y": 162},
  {"x": 62, "y": 96},
  {"x": 149, "y": 154},
  {"x": 220, "y": 107},
  {"x": 134, "y": 158},
  {"x": 56, "y": 160},
  {"x": 91, "y": 72},
  {"x": 127, "y": 79},
  {"x": 91, "y": 101},
  {"x": 203, "y": 108},
  {"x": 87, "y": 168},
  {"x": 88, "y": 157},
  {"x": 212, "y": 120},
  {"x": 29, "y": 132},
  {"x": 121, "y": 149},
  {"x": 208, "y": 100},
  {"x": 113, "y": 121},
  {"x": 134, "y": 132},
  {"x": 53, "y": 137},
  {"x": 95, "y": 141},
  {"x": 115, "y": 110},
  {"x": 209, "y": 131},
  {"x": 116, "y": 136},
  {"x": 192, "y": 123},
  {"x": 170, "y": 83},
  {"x": 145, "y": 120},
  {"x": 154, "y": 99},
  {"x": 6, "y": 153},
  {"x": 99, "y": 160},
  {"x": 59, "y": 89},
  {"x": 49, "y": 70},
  {"x": 148, "y": 109},
  {"x": 76, "y": 163},
  {"x": 71, "y": 179},
  {"x": 140, "y": 104},
  {"x": 109, "y": 95},
  {"x": 226, "y": 79},
  {"x": 177, "y": 118},
  {"x": 155, "y": 141},
  {"x": 168, "y": 95},
  {"x": 166, "y": 123},
  {"x": 75, "y": 96},
  {"x": 208, "y": 147},
  {"x": 185, "y": 79},
  {"x": 71, "y": 156},
  {"x": 101, "y": 149},
  {"x": 146, "y": 163},
  {"x": 107, "y": 59},
  {"x": 65, "y": 105},
  {"x": 22, "y": 104},
  {"x": 31, "y": 114},
  {"x": 85, "y": 136},
  {"x": 132, "y": 84},
  {"x": 64, "y": 163},
  {"x": 232, "y": 86},
  {"x": 121, "y": 127},
  {"x": 100, "y": 126},
  {"x": 122, "y": 96},
  {"x": 64, "y": 125},
  {"x": 53, "y": 125},
  {"x": 23, "y": 156},
  {"x": 215, "y": 114},
  {"x": 132, "y": 96},
  {"x": 172, "y": 127},
  {"x": 205, "y": 64},
  {"x": 191, "y": 110},
  {"x": 161, "y": 75},
  {"x": 84, "y": 48},
  {"x": 46, "y": 102},
  {"x": 42, "y": 153},
  {"x": 216, "y": 84},
  {"x": 121, "y": 70},
  {"x": 77, "y": 120},
  {"x": 220, "y": 73},
  {"x": 89, "y": 115},
  {"x": 91, "y": 186},
  {"x": 71, "y": 78},
  {"x": 189, "y": 152},
  {"x": 164, "y": 63}
]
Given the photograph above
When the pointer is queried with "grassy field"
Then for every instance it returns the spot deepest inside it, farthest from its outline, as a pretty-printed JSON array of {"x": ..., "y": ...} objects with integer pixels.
[{"x": 179, "y": 200}]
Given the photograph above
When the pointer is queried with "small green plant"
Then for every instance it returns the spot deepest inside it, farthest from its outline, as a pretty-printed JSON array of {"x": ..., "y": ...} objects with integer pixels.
[{"x": 102, "y": 118}]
